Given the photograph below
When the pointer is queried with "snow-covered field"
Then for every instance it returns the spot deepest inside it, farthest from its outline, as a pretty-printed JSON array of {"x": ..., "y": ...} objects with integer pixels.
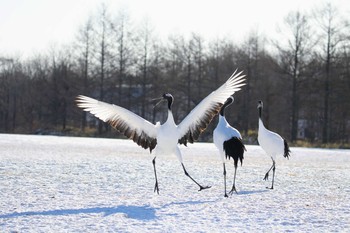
[{"x": 64, "y": 184}]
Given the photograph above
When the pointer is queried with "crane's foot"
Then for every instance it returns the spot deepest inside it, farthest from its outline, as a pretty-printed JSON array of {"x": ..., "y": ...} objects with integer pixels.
[
  {"x": 156, "y": 189},
  {"x": 269, "y": 187},
  {"x": 225, "y": 195},
  {"x": 201, "y": 188},
  {"x": 233, "y": 190}
]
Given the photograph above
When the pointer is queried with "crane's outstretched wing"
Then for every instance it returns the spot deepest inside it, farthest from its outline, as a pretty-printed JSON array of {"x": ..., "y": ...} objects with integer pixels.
[
  {"x": 141, "y": 131},
  {"x": 200, "y": 117}
]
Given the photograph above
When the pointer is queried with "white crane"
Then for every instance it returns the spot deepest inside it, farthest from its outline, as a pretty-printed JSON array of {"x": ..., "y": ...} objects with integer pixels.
[
  {"x": 166, "y": 137},
  {"x": 229, "y": 142},
  {"x": 272, "y": 143}
]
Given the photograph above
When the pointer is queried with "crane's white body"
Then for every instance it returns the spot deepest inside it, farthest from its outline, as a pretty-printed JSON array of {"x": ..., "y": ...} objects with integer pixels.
[
  {"x": 228, "y": 140},
  {"x": 223, "y": 132},
  {"x": 270, "y": 142},
  {"x": 167, "y": 138}
]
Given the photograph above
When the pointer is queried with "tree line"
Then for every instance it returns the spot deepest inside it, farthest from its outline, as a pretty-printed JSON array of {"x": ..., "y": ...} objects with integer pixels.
[{"x": 302, "y": 75}]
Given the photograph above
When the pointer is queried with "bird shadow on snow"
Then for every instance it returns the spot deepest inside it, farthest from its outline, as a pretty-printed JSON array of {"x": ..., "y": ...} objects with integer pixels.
[
  {"x": 247, "y": 192},
  {"x": 135, "y": 212},
  {"x": 143, "y": 213}
]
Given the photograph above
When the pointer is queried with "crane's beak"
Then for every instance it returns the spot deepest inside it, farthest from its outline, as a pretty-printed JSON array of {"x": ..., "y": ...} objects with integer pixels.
[{"x": 160, "y": 99}]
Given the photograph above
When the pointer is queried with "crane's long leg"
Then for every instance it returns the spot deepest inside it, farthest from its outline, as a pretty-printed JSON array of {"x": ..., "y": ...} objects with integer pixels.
[
  {"x": 225, "y": 180},
  {"x": 155, "y": 174},
  {"x": 267, "y": 173},
  {"x": 200, "y": 186},
  {"x": 234, "y": 181},
  {"x": 273, "y": 176},
  {"x": 273, "y": 167}
]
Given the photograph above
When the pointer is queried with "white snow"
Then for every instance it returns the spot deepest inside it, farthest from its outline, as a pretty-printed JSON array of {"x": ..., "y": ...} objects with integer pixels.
[{"x": 64, "y": 184}]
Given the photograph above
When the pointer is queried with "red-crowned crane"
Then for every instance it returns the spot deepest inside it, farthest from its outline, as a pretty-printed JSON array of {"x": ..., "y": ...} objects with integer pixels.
[
  {"x": 166, "y": 137},
  {"x": 272, "y": 143},
  {"x": 228, "y": 140}
]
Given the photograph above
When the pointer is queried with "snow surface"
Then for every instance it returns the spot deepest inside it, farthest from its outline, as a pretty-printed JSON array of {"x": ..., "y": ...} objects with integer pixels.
[{"x": 65, "y": 184}]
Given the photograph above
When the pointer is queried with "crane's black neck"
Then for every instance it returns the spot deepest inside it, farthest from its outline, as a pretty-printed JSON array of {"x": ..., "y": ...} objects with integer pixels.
[
  {"x": 260, "y": 107},
  {"x": 227, "y": 103},
  {"x": 170, "y": 103},
  {"x": 260, "y": 112},
  {"x": 170, "y": 100}
]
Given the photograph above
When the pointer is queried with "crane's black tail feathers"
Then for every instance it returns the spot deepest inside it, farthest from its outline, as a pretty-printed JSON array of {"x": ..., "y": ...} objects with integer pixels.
[
  {"x": 234, "y": 149},
  {"x": 286, "y": 149}
]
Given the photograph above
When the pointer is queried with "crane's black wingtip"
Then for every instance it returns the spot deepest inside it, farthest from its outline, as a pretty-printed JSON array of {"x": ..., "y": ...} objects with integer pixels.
[{"x": 286, "y": 149}]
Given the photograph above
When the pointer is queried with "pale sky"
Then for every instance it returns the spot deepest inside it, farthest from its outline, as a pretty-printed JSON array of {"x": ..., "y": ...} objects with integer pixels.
[{"x": 33, "y": 26}]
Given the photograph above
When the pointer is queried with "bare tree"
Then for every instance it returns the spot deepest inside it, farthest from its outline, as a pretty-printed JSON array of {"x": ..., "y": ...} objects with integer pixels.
[
  {"x": 333, "y": 30},
  {"x": 294, "y": 57},
  {"x": 60, "y": 84},
  {"x": 214, "y": 63},
  {"x": 157, "y": 73},
  {"x": 122, "y": 53},
  {"x": 39, "y": 75},
  {"x": 9, "y": 93},
  {"x": 101, "y": 47},
  {"x": 174, "y": 72},
  {"x": 250, "y": 55},
  {"x": 198, "y": 50},
  {"x": 84, "y": 48},
  {"x": 145, "y": 42}
]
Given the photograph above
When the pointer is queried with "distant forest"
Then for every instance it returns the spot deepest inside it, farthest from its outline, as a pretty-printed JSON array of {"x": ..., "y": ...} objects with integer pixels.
[{"x": 302, "y": 75}]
